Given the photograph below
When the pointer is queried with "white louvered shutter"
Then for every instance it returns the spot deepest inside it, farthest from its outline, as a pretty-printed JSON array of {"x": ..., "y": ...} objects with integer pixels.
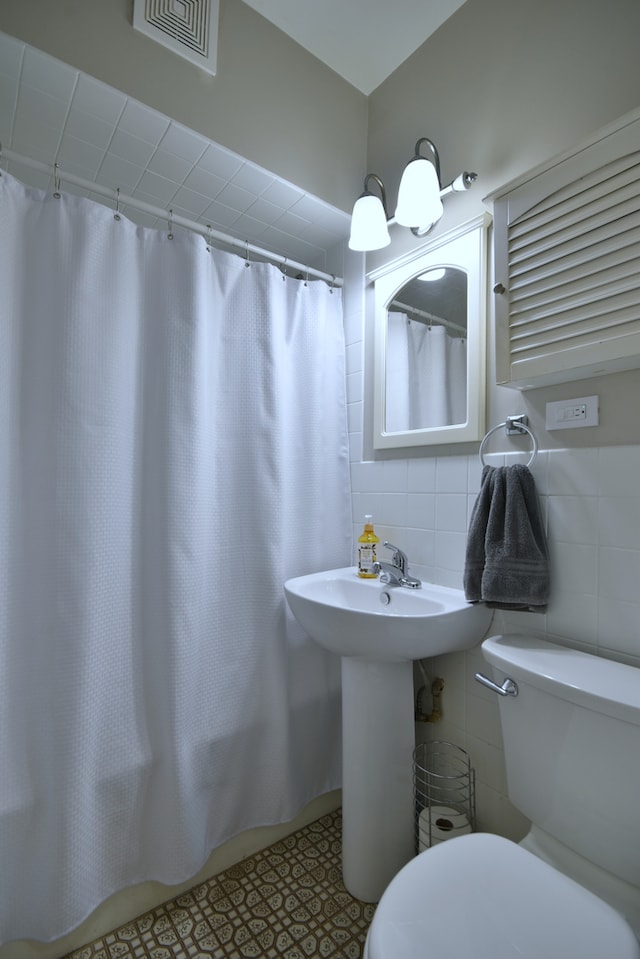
[{"x": 568, "y": 258}]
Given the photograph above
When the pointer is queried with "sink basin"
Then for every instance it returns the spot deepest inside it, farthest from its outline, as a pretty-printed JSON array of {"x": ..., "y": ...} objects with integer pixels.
[
  {"x": 378, "y": 630},
  {"x": 351, "y": 616}
]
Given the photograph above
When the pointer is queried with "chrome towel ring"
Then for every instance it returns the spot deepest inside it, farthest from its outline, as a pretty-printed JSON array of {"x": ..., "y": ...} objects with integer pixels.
[{"x": 512, "y": 424}]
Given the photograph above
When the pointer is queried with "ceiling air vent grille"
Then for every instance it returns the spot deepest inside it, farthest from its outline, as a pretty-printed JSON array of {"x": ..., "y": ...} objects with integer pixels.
[{"x": 187, "y": 27}]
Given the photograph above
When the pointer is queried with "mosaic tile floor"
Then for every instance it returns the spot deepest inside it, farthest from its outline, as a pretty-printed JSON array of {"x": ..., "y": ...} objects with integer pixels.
[{"x": 286, "y": 901}]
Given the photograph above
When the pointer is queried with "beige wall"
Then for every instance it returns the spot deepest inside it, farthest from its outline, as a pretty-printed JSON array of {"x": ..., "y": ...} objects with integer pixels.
[
  {"x": 505, "y": 84},
  {"x": 501, "y": 87},
  {"x": 271, "y": 101}
]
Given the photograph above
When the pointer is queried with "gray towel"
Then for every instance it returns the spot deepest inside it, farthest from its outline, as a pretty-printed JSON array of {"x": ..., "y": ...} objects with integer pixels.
[{"x": 507, "y": 561}]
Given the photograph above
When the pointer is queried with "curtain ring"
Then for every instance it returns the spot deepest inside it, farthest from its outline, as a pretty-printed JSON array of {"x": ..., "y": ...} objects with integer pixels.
[
  {"x": 208, "y": 238},
  {"x": 247, "y": 262},
  {"x": 56, "y": 182},
  {"x": 283, "y": 269},
  {"x": 306, "y": 278},
  {"x": 170, "y": 233},
  {"x": 333, "y": 280},
  {"x": 116, "y": 215}
]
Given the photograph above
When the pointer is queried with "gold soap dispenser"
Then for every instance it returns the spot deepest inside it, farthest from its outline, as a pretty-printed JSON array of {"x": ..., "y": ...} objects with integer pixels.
[{"x": 367, "y": 550}]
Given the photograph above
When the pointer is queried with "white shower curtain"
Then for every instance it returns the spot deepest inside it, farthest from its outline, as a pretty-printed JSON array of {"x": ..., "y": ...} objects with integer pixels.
[
  {"x": 426, "y": 375},
  {"x": 172, "y": 447}
]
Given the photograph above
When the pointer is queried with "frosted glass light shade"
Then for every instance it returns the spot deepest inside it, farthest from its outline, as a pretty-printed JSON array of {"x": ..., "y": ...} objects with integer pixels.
[
  {"x": 419, "y": 203},
  {"x": 369, "y": 229}
]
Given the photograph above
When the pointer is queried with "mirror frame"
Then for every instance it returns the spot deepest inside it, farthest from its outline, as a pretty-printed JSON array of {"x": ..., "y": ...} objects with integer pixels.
[{"x": 464, "y": 248}]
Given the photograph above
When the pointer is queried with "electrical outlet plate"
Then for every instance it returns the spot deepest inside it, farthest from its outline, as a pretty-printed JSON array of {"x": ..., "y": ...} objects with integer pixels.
[{"x": 573, "y": 414}]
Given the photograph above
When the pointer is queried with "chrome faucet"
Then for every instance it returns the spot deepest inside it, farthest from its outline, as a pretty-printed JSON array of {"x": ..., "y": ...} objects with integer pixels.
[{"x": 396, "y": 573}]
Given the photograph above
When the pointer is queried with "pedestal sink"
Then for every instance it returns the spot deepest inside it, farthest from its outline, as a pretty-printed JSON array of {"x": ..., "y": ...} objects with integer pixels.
[{"x": 378, "y": 630}]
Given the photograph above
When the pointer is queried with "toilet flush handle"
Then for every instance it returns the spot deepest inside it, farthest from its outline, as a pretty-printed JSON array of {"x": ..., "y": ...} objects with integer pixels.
[{"x": 508, "y": 688}]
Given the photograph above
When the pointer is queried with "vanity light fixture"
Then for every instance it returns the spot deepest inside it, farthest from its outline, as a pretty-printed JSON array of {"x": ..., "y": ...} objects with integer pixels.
[
  {"x": 419, "y": 204},
  {"x": 419, "y": 200},
  {"x": 369, "y": 218}
]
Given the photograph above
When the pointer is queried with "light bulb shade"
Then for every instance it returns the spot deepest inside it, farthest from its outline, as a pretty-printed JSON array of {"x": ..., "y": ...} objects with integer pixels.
[
  {"x": 419, "y": 203},
  {"x": 369, "y": 229}
]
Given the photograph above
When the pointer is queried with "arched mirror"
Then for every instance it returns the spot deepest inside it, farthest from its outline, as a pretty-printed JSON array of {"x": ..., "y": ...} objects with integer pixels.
[{"x": 429, "y": 376}]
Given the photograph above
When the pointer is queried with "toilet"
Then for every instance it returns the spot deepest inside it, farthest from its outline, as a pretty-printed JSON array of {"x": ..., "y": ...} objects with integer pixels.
[{"x": 571, "y": 888}]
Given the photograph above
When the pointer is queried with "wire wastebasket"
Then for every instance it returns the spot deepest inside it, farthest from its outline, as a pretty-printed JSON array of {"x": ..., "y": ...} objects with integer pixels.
[{"x": 444, "y": 791}]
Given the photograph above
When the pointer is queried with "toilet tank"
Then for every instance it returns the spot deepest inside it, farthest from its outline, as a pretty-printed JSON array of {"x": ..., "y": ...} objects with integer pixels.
[{"x": 572, "y": 747}]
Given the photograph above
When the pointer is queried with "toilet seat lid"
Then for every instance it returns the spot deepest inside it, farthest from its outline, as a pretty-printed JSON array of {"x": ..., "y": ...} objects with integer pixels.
[{"x": 486, "y": 897}]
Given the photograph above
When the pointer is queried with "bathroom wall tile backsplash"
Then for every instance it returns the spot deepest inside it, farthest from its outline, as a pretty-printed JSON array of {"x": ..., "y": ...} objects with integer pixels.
[
  {"x": 590, "y": 500},
  {"x": 424, "y": 505}
]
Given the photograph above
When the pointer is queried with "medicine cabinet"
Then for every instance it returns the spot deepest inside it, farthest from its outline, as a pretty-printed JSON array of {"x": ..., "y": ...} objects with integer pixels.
[
  {"x": 430, "y": 342},
  {"x": 567, "y": 264}
]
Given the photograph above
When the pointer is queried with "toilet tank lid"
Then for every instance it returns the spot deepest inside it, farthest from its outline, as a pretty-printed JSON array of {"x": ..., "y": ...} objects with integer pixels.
[{"x": 591, "y": 681}]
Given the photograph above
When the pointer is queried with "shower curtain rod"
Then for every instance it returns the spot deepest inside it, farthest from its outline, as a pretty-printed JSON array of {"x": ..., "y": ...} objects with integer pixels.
[
  {"x": 208, "y": 233},
  {"x": 429, "y": 317}
]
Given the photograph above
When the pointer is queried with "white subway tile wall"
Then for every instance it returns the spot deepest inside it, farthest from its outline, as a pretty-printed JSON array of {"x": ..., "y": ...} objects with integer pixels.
[{"x": 591, "y": 502}]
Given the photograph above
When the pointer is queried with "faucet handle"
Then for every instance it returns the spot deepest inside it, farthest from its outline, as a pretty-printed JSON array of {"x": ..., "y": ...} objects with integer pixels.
[{"x": 399, "y": 558}]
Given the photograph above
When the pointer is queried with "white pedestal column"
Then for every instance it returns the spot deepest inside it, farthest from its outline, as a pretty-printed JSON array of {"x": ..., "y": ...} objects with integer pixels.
[{"x": 377, "y": 788}]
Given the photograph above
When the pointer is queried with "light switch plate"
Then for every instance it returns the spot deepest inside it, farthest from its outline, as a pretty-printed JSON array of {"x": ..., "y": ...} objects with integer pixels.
[{"x": 574, "y": 413}]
